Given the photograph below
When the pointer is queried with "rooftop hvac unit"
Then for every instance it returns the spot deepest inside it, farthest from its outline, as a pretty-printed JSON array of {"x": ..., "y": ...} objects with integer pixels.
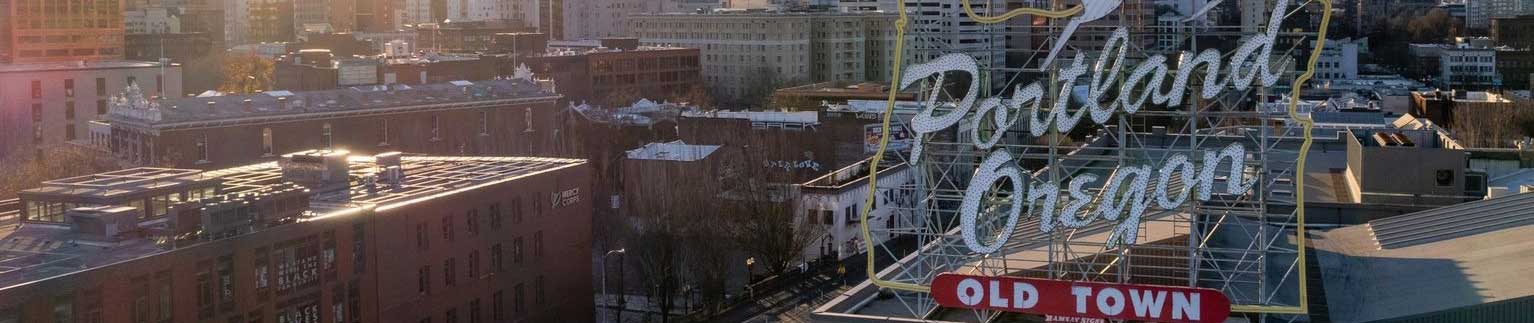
[{"x": 103, "y": 223}]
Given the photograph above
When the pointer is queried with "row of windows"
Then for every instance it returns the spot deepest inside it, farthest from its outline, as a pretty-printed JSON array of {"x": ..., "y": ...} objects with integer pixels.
[
  {"x": 497, "y": 306},
  {"x": 101, "y": 88},
  {"x": 327, "y": 133}
]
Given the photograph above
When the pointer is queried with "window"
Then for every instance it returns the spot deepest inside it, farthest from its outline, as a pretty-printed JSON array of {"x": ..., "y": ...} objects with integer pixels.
[
  {"x": 101, "y": 86},
  {"x": 422, "y": 238},
  {"x": 37, "y": 89},
  {"x": 449, "y": 271},
  {"x": 516, "y": 210},
  {"x": 452, "y": 316},
  {"x": 495, "y": 215},
  {"x": 359, "y": 250},
  {"x": 202, "y": 149},
  {"x": 383, "y": 133},
  {"x": 325, "y": 136},
  {"x": 542, "y": 298},
  {"x": 132, "y": 80},
  {"x": 484, "y": 123},
  {"x": 266, "y": 141},
  {"x": 64, "y": 308},
  {"x": 473, "y": 221},
  {"x": 496, "y": 258},
  {"x": 69, "y": 132},
  {"x": 69, "y": 110},
  {"x": 37, "y": 112},
  {"x": 516, "y": 250},
  {"x": 101, "y": 107},
  {"x": 538, "y": 243},
  {"x": 436, "y": 128},
  {"x": 498, "y": 306},
  {"x": 527, "y": 117},
  {"x": 474, "y": 311},
  {"x": 424, "y": 285},
  {"x": 473, "y": 264},
  {"x": 447, "y": 227},
  {"x": 69, "y": 88},
  {"x": 520, "y": 298}
]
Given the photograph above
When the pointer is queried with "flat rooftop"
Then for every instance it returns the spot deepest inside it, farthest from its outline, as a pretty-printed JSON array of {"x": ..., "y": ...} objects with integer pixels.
[
  {"x": 118, "y": 183},
  {"x": 308, "y": 104},
  {"x": 77, "y": 66},
  {"x": 1435, "y": 260},
  {"x": 32, "y": 252}
]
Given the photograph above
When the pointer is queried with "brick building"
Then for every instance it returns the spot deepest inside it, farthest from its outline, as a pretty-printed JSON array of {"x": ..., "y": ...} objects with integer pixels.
[
  {"x": 815, "y": 96},
  {"x": 630, "y": 73},
  {"x": 434, "y": 68},
  {"x": 53, "y": 31},
  {"x": 51, "y": 103},
  {"x": 306, "y": 70},
  {"x": 741, "y": 49},
  {"x": 472, "y": 36},
  {"x": 496, "y": 118},
  {"x": 322, "y": 236}
]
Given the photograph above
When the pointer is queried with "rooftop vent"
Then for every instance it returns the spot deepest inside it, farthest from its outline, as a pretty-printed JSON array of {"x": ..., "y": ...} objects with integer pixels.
[
  {"x": 103, "y": 223},
  {"x": 319, "y": 170}
]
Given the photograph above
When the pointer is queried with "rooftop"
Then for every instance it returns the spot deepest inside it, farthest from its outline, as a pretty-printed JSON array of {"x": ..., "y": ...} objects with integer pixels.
[
  {"x": 577, "y": 51},
  {"x": 763, "y": 13},
  {"x": 852, "y": 174},
  {"x": 131, "y": 108},
  {"x": 672, "y": 151},
  {"x": 33, "y": 251},
  {"x": 76, "y": 65},
  {"x": 119, "y": 183},
  {"x": 1466, "y": 254},
  {"x": 795, "y": 117}
]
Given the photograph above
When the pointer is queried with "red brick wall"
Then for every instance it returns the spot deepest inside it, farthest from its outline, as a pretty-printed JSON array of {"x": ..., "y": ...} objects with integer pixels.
[{"x": 388, "y": 283}]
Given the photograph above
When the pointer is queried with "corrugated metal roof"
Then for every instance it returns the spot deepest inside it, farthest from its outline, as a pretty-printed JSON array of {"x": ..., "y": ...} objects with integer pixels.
[
  {"x": 1454, "y": 221},
  {"x": 1438, "y": 260}
]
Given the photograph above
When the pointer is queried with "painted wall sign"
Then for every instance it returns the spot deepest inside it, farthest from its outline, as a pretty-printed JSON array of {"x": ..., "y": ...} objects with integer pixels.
[
  {"x": 1060, "y": 298},
  {"x": 566, "y": 197}
]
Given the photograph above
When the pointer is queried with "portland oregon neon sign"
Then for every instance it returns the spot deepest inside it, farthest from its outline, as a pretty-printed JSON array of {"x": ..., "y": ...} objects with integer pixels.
[
  {"x": 1114, "y": 86},
  {"x": 1250, "y": 60}
]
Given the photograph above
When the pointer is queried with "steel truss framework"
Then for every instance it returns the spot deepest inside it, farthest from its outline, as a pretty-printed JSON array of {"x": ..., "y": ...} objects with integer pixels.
[{"x": 1244, "y": 245}]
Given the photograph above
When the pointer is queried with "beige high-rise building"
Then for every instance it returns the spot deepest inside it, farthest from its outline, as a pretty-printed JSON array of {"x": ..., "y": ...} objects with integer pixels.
[{"x": 741, "y": 50}]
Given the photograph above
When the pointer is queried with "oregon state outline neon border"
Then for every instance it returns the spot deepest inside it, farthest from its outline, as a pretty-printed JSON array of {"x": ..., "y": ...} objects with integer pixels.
[{"x": 1299, "y": 181}]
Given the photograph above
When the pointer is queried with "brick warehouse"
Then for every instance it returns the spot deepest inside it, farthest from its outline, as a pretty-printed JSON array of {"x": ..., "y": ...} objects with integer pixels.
[
  {"x": 619, "y": 73},
  {"x": 494, "y": 117},
  {"x": 320, "y": 236}
]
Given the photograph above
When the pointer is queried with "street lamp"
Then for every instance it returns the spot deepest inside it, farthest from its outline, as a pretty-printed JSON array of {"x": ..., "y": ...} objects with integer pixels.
[{"x": 604, "y": 274}]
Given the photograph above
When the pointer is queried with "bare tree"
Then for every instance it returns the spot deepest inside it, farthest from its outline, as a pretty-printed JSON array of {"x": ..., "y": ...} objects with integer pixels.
[
  {"x": 762, "y": 204},
  {"x": 23, "y": 171}
]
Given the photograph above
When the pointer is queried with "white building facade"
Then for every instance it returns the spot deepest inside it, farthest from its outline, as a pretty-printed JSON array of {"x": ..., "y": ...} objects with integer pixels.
[
  {"x": 1464, "y": 66},
  {"x": 834, "y": 201},
  {"x": 1339, "y": 60},
  {"x": 151, "y": 21}
]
